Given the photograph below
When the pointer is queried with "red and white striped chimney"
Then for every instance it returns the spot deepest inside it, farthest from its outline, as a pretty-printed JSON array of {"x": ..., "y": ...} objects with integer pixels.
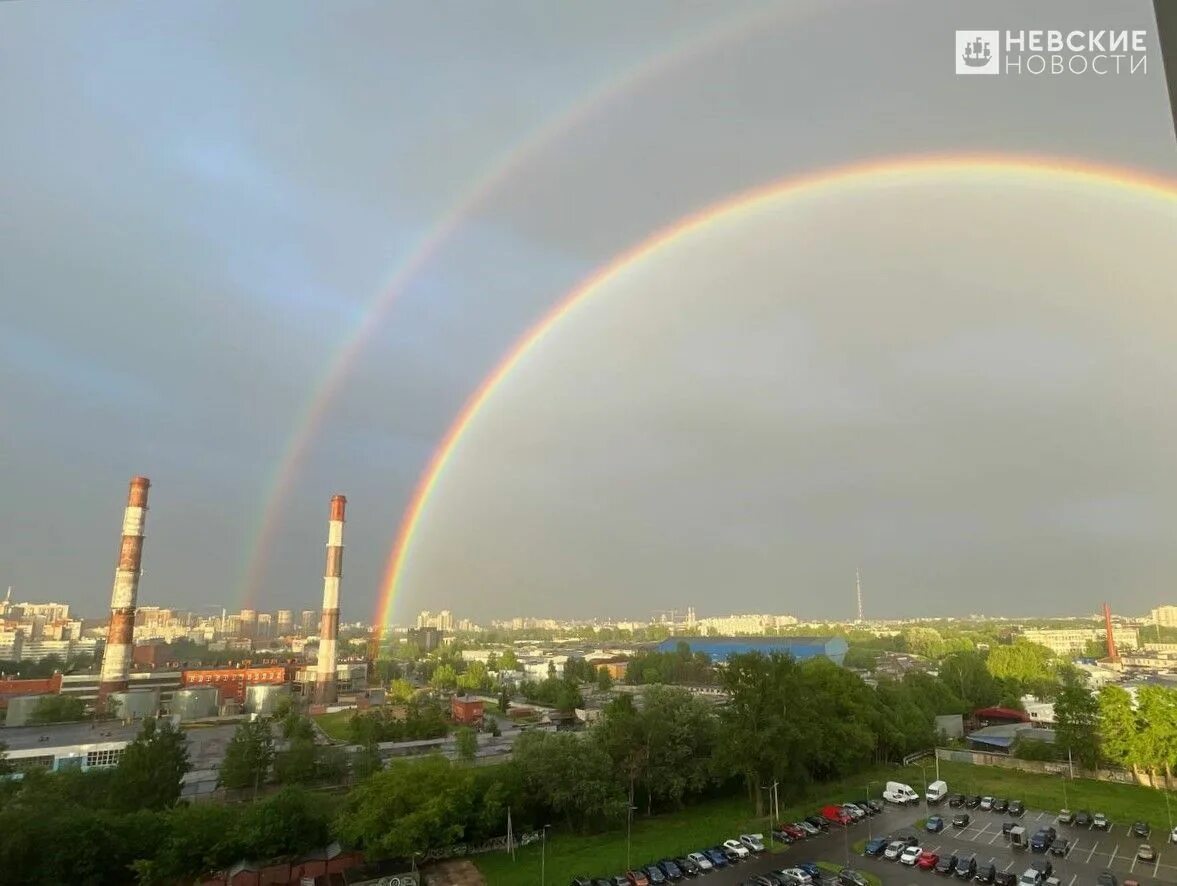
[
  {"x": 116, "y": 660},
  {"x": 325, "y": 686}
]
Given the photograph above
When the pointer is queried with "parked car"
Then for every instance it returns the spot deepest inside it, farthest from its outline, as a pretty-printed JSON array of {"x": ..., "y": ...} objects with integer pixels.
[
  {"x": 966, "y": 868},
  {"x": 717, "y": 856},
  {"x": 876, "y": 846},
  {"x": 671, "y": 869},
  {"x": 1044, "y": 866},
  {"x": 1030, "y": 877},
  {"x": 1106, "y": 878},
  {"x": 654, "y": 874},
  {"x": 956, "y": 801},
  {"x": 1065, "y": 816},
  {"x": 701, "y": 861},
  {"x": 811, "y": 830},
  {"x": 1100, "y": 822},
  {"x": 810, "y": 868},
  {"x": 1000, "y": 804},
  {"x": 893, "y": 850},
  {"x": 1173, "y": 836},
  {"x": 688, "y": 866},
  {"x": 620, "y": 880},
  {"x": 753, "y": 842},
  {"x": 851, "y": 877},
  {"x": 946, "y": 865},
  {"x": 1060, "y": 847},
  {"x": 790, "y": 831},
  {"x": 766, "y": 880},
  {"x": 855, "y": 813},
  {"x": 972, "y": 801},
  {"x": 875, "y": 805},
  {"x": 636, "y": 878},
  {"x": 1006, "y": 827},
  {"x": 602, "y": 882},
  {"x": 818, "y": 822},
  {"x": 986, "y": 804},
  {"x": 1042, "y": 839},
  {"x": 910, "y": 855},
  {"x": 961, "y": 820},
  {"x": 836, "y": 815},
  {"x": 1140, "y": 829},
  {"x": 934, "y": 824},
  {"x": 986, "y": 874},
  {"x": 1004, "y": 878},
  {"x": 798, "y": 875},
  {"x": 737, "y": 847},
  {"x": 928, "y": 860},
  {"x": 1082, "y": 819},
  {"x": 908, "y": 839},
  {"x": 581, "y": 881},
  {"x": 1146, "y": 853},
  {"x": 1016, "y": 808},
  {"x": 732, "y": 855}
]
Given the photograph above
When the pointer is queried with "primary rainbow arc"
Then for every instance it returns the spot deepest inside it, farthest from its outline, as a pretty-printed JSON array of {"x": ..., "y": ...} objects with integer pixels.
[{"x": 1057, "y": 169}]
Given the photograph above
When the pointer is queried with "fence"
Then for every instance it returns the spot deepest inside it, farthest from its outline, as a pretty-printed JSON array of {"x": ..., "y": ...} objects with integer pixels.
[
  {"x": 1003, "y": 761},
  {"x": 494, "y": 844}
]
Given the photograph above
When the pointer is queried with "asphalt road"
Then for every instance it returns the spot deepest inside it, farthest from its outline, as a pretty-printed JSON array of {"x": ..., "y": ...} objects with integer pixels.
[{"x": 1090, "y": 852}]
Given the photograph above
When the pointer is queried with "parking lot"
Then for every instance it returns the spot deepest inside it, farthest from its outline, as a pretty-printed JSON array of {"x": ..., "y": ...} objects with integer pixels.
[{"x": 1090, "y": 851}]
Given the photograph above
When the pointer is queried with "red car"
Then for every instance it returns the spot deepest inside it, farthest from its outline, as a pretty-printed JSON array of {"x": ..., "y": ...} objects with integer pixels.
[
  {"x": 636, "y": 878},
  {"x": 927, "y": 860},
  {"x": 793, "y": 832},
  {"x": 836, "y": 815}
]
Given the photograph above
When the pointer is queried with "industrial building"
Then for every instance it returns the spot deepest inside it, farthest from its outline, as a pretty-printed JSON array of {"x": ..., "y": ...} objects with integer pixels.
[{"x": 801, "y": 648}]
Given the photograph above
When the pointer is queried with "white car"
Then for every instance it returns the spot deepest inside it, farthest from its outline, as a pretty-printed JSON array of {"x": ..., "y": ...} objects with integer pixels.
[
  {"x": 814, "y": 831},
  {"x": 755, "y": 842},
  {"x": 910, "y": 855},
  {"x": 1173, "y": 836},
  {"x": 737, "y": 847},
  {"x": 701, "y": 860},
  {"x": 856, "y": 811},
  {"x": 796, "y": 875},
  {"x": 986, "y": 804},
  {"x": 894, "y": 850}
]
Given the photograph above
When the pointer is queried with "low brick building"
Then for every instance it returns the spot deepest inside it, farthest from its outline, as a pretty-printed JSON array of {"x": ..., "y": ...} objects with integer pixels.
[{"x": 466, "y": 710}]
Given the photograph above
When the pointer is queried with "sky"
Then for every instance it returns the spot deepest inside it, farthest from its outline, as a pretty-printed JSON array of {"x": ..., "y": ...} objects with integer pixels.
[{"x": 958, "y": 386}]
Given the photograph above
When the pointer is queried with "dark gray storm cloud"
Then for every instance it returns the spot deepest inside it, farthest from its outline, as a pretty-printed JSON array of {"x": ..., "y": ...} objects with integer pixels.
[{"x": 201, "y": 201}]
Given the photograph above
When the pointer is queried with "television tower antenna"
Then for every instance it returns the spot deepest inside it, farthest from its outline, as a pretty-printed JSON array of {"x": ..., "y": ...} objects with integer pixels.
[{"x": 858, "y": 588}]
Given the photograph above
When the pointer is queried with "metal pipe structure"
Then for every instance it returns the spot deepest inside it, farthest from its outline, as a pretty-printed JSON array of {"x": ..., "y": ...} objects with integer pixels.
[
  {"x": 325, "y": 685},
  {"x": 1113, "y": 653},
  {"x": 116, "y": 659}
]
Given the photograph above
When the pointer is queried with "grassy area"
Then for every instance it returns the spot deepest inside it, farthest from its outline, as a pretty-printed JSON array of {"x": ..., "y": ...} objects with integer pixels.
[
  {"x": 1121, "y": 803},
  {"x": 699, "y": 826},
  {"x": 336, "y": 725},
  {"x": 837, "y": 869}
]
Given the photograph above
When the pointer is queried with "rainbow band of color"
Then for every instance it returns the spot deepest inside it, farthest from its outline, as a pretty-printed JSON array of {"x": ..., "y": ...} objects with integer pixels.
[{"x": 899, "y": 170}]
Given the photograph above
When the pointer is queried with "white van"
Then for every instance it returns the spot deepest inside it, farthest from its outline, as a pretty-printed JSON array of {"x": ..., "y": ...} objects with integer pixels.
[
  {"x": 937, "y": 791},
  {"x": 900, "y": 793}
]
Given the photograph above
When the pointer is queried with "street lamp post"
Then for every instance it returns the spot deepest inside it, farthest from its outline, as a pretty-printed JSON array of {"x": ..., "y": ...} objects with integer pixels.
[
  {"x": 543, "y": 855},
  {"x": 869, "y": 834},
  {"x": 924, "y": 773},
  {"x": 628, "y": 830}
]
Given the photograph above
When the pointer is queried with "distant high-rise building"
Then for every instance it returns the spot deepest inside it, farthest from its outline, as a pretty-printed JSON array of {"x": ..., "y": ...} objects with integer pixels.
[
  {"x": 285, "y": 623},
  {"x": 424, "y": 619},
  {"x": 248, "y": 619},
  {"x": 1164, "y": 616},
  {"x": 265, "y": 626},
  {"x": 307, "y": 622},
  {"x": 445, "y": 620}
]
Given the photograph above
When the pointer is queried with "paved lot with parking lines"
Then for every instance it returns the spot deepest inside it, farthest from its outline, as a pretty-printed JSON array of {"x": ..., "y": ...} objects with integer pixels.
[{"x": 1089, "y": 851}]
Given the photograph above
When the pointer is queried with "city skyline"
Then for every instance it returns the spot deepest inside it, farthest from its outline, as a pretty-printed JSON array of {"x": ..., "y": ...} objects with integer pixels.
[{"x": 279, "y": 293}]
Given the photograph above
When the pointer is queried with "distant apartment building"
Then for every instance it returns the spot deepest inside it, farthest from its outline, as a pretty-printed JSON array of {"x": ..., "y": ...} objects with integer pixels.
[
  {"x": 265, "y": 626},
  {"x": 443, "y": 621},
  {"x": 1073, "y": 641},
  {"x": 1164, "y": 616},
  {"x": 284, "y": 623},
  {"x": 734, "y": 625}
]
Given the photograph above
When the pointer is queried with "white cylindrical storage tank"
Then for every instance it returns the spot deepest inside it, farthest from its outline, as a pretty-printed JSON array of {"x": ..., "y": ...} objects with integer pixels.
[
  {"x": 135, "y": 704},
  {"x": 263, "y": 700},
  {"x": 196, "y": 702},
  {"x": 20, "y": 708}
]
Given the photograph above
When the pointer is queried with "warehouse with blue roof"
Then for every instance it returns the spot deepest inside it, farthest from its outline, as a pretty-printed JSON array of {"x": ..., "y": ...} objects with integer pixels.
[{"x": 801, "y": 648}]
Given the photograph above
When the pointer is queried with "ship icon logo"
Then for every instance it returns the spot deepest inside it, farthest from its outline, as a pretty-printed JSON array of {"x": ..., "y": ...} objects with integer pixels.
[{"x": 976, "y": 52}]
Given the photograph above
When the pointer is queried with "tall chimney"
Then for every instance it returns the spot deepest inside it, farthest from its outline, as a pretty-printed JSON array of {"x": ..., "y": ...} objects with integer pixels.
[
  {"x": 116, "y": 660},
  {"x": 1113, "y": 654},
  {"x": 325, "y": 691}
]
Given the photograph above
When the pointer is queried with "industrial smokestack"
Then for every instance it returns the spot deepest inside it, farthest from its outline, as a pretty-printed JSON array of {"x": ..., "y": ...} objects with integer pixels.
[
  {"x": 325, "y": 691},
  {"x": 1113, "y": 654},
  {"x": 116, "y": 660}
]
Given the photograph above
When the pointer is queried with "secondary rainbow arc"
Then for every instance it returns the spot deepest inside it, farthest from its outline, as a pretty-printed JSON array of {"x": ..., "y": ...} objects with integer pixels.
[{"x": 1066, "y": 170}]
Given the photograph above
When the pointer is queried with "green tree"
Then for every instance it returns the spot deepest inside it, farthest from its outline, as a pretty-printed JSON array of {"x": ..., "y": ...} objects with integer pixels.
[
  {"x": 466, "y": 744},
  {"x": 150, "y": 773},
  {"x": 400, "y": 690},
  {"x": 411, "y": 807},
  {"x": 1156, "y": 745},
  {"x": 569, "y": 778},
  {"x": 969, "y": 679},
  {"x": 249, "y": 756},
  {"x": 296, "y": 764},
  {"x": 604, "y": 681},
  {"x": 1029, "y": 664},
  {"x": 924, "y": 641},
  {"x": 508, "y": 661},
  {"x": 57, "y": 709},
  {"x": 1118, "y": 727},
  {"x": 1076, "y": 713},
  {"x": 444, "y": 677},
  {"x": 680, "y": 735},
  {"x": 504, "y": 698},
  {"x": 474, "y": 678}
]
